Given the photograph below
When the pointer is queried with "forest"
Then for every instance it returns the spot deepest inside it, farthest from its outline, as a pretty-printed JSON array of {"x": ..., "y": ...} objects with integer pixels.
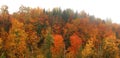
[{"x": 40, "y": 33}]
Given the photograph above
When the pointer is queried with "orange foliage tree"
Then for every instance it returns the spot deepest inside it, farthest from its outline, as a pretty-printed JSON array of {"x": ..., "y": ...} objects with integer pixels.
[
  {"x": 58, "y": 48},
  {"x": 76, "y": 43}
]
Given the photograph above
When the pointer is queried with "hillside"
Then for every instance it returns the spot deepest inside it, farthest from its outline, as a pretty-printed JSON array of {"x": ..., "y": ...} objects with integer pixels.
[{"x": 39, "y": 33}]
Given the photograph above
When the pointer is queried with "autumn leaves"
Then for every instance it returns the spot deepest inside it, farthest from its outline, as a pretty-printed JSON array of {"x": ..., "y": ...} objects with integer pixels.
[{"x": 37, "y": 33}]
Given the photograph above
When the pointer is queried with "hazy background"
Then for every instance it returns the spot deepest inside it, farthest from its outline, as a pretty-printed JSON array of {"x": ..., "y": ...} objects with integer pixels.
[{"x": 99, "y": 8}]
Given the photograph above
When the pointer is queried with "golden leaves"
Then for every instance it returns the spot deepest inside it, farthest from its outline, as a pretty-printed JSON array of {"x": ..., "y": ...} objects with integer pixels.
[
  {"x": 16, "y": 41},
  {"x": 1, "y": 41},
  {"x": 87, "y": 51}
]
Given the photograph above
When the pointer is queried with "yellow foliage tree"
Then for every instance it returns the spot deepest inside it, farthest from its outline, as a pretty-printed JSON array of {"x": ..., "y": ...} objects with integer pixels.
[
  {"x": 16, "y": 41},
  {"x": 110, "y": 48},
  {"x": 88, "y": 49}
]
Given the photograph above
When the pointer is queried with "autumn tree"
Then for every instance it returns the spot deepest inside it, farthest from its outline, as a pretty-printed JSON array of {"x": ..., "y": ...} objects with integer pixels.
[
  {"x": 16, "y": 41},
  {"x": 110, "y": 47},
  {"x": 88, "y": 50},
  {"x": 76, "y": 43},
  {"x": 58, "y": 48}
]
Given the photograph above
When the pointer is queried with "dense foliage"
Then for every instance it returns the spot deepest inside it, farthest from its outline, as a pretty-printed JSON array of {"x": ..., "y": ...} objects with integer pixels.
[{"x": 40, "y": 33}]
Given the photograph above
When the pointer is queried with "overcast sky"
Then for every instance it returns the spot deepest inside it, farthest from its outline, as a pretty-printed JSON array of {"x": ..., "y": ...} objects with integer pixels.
[{"x": 99, "y": 8}]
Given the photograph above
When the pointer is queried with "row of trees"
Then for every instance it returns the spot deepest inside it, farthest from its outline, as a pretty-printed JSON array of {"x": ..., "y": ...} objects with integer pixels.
[{"x": 37, "y": 33}]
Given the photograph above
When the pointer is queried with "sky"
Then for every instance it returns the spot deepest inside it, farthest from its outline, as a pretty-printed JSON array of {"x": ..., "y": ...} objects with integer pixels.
[{"x": 99, "y": 8}]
